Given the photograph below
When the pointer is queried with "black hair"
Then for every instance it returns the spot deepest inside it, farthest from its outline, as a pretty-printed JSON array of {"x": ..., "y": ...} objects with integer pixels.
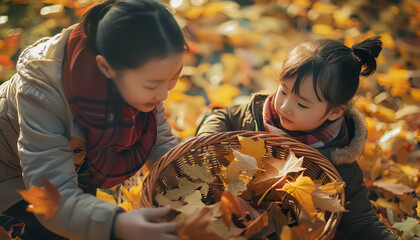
[
  {"x": 334, "y": 68},
  {"x": 130, "y": 33}
]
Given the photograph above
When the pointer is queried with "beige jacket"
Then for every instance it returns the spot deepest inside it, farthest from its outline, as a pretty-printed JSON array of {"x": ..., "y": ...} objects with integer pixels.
[{"x": 38, "y": 136}]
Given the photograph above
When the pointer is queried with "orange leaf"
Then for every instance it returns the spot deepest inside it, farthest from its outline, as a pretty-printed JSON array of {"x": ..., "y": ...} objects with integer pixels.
[
  {"x": 230, "y": 205},
  {"x": 42, "y": 200},
  {"x": 195, "y": 226}
]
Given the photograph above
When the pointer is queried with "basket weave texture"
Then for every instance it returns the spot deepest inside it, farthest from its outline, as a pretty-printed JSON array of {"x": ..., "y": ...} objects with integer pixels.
[{"x": 212, "y": 149}]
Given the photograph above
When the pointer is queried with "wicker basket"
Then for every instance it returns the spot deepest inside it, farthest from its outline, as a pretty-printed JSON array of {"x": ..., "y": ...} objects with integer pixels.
[{"x": 164, "y": 174}]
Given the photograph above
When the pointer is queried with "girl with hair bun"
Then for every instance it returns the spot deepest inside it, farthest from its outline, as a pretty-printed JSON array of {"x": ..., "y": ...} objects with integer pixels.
[
  {"x": 84, "y": 111},
  {"x": 318, "y": 79}
]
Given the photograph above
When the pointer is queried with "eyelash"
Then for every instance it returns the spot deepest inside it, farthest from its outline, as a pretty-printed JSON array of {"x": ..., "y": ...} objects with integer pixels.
[{"x": 300, "y": 105}]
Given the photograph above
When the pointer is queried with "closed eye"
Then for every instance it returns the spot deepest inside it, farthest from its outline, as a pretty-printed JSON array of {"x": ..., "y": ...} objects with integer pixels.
[
  {"x": 282, "y": 92},
  {"x": 150, "y": 88},
  {"x": 302, "y": 106}
]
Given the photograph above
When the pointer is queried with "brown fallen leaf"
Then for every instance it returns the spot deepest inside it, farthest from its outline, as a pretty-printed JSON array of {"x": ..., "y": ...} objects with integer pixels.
[
  {"x": 195, "y": 226},
  {"x": 42, "y": 200},
  {"x": 407, "y": 204}
]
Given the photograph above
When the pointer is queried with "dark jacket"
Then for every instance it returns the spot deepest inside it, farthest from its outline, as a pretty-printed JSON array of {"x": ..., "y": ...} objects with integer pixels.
[{"x": 360, "y": 222}]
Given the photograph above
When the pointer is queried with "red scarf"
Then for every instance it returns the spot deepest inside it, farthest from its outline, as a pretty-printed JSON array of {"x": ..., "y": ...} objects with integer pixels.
[
  {"x": 119, "y": 138},
  {"x": 330, "y": 133}
]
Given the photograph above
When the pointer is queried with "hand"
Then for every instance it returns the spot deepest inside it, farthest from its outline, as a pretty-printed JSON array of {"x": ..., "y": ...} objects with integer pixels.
[{"x": 139, "y": 225}]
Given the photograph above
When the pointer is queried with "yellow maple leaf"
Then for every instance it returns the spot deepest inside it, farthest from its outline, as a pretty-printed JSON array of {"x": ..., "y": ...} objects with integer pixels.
[
  {"x": 127, "y": 206},
  {"x": 133, "y": 195},
  {"x": 301, "y": 189},
  {"x": 255, "y": 149},
  {"x": 105, "y": 196},
  {"x": 44, "y": 200},
  {"x": 418, "y": 208}
]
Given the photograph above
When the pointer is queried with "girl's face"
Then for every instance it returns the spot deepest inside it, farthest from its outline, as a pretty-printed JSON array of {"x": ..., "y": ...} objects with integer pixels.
[
  {"x": 303, "y": 112},
  {"x": 145, "y": 87}
]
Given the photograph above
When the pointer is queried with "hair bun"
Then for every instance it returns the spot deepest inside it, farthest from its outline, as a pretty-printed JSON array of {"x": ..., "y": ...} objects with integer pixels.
[{"x": 367, "y": 51}]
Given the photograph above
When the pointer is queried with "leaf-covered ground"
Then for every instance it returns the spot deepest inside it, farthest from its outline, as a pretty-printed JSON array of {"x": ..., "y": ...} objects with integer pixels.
[{"x": 236, "y": 49}]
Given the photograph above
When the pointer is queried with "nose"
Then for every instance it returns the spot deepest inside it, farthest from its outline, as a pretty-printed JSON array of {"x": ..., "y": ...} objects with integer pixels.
[
  {"x": 161, "y": 95},
  {"x": 286, "y": 107}
]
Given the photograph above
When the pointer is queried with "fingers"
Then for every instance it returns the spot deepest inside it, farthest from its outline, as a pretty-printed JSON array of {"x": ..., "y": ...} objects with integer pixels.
[{"x": 153, "y": 213}]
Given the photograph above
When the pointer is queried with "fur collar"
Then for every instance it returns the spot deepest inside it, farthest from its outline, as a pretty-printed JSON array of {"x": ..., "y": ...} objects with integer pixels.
[{"x": 354, "y": 150}]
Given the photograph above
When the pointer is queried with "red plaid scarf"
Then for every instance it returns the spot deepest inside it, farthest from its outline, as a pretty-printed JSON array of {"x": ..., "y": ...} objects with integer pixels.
[
  {"x": 330, "y": 133},
  {"x": 119, "y": 138}
]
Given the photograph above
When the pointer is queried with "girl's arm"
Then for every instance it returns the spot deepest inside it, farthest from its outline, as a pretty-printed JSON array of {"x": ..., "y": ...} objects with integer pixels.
[
  {"x": 44, "y": 150},
  {"x": 165, "y": 139}
]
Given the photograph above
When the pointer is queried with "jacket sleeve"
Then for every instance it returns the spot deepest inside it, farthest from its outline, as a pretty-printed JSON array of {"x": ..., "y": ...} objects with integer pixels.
[
  {"x": 165, "y": 139},
  {"x": 360, "y": 222},
  {"x": 45, "y": 152},
  {"x": 216, "y": 120}
]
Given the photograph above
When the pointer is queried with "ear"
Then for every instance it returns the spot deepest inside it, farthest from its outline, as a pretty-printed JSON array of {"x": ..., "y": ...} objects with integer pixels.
[
  {"x": 337, "y": 112},
  {"x": 104, "y": 67}
]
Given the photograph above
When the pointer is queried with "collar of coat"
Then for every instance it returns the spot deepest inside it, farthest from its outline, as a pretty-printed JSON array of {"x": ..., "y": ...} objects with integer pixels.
[{"x": 338, "y": 156}]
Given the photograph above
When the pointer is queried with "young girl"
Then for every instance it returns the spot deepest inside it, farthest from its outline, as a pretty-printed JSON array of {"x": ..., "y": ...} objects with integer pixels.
[
  {"x": 317, "y": 81},
  {"x": 85, "y": 111}
]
